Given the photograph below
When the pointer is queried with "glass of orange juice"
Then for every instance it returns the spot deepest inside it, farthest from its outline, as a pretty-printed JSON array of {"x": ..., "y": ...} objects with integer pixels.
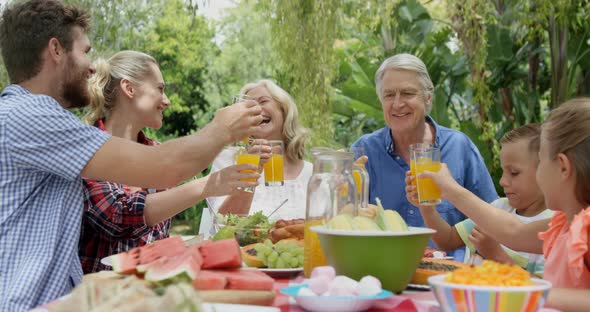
[
  {"x": 414, "y": 147},
  {"x": 248, "y": 154},
  {"x": 273, "y": 168},
  {"x": 426, "y": 158}
]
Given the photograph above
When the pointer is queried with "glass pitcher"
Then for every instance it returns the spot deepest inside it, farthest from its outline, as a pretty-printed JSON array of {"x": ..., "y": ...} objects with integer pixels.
[{"x": 331, "y": 190}]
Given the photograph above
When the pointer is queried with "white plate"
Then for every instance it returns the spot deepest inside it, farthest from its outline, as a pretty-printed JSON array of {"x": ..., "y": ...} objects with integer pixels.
[
  {"x": 281, "y": 272},
  {"x": 226, "y": 307},
  {"x": 108, "y": 261},
  {"x": 333, "y": 303}
]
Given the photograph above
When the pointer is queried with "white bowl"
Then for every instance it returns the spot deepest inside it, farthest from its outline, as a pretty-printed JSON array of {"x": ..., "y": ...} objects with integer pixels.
[{"x": 333, "y": 303}]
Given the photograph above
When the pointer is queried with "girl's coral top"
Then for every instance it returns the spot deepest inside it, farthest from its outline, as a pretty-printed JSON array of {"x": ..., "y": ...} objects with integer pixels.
[{"x": 564, "y": 247}]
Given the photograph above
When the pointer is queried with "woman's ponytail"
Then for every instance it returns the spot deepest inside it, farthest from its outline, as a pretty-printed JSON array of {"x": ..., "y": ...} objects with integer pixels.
[{"x": 99, "y": 85}]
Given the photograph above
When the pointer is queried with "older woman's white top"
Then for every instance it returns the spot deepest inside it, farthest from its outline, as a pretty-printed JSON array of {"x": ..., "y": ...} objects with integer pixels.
[{"x": 266, "y": 198}]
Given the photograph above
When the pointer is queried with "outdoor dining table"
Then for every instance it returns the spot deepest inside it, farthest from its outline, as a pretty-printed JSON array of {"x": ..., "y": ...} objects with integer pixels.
[{"x": 410, "y": 300}]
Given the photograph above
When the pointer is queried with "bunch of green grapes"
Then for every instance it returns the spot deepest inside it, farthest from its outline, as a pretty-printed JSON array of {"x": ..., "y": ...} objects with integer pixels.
[{"x": 282, "y": 255}]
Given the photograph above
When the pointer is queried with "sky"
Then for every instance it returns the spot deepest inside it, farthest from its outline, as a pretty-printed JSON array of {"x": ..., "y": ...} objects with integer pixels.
[
  {"x": 213, "y": 8},
  {"x": 210, "y": 8}
]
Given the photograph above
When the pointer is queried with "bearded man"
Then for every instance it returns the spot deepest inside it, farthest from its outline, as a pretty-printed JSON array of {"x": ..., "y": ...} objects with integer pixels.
[{"x": 45, "y": 149}]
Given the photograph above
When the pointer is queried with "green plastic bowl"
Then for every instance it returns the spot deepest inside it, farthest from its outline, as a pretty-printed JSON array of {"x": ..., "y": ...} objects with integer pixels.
[{"x": 392, "y": 257}]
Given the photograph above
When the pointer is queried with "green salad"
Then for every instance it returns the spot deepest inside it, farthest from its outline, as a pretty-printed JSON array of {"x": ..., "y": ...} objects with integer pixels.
[{"x": 246, "y": 229}]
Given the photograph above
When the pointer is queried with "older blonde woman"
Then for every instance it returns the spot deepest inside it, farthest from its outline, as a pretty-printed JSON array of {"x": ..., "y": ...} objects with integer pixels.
[{"x": 280, "y": 122}]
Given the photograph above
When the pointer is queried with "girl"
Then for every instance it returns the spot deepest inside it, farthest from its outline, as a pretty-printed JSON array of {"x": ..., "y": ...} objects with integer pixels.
[
  {"x": 127, "y": 95},
  {"x": 563, "y": 175},
  {"x": 519, "y": 157}
]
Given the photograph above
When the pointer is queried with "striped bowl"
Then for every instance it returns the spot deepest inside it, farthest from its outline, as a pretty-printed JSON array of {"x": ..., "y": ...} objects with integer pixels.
[{"x": 470, "y": 298}]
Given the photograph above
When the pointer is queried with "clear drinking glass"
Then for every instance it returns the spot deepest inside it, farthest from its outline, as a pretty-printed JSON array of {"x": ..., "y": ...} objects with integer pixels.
[
  {"x": 273, "y": 168},
  {"x": 425, "y": 157},
  {"x": 248, "y": 154},
  {"x": 415, "y": 147},
  {"x": 243, "y": 98}
]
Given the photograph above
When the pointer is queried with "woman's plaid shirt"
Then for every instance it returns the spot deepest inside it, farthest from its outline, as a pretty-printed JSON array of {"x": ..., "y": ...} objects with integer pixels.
[{"x": 113, "y": 219}]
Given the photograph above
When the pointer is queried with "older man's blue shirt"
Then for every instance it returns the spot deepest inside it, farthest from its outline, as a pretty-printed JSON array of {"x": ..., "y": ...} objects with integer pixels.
[{"x": 387, "y": 172}]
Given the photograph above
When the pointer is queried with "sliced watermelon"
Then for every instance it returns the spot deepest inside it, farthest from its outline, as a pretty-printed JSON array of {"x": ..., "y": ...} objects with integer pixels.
[
  {"x": 166, "y": 247},
  {"x": 127, "y": 262},
  {"x": 242, "y": 279},
  {"x": 142, "y": 268},
  {"x": 183, "y": 267},
  {"x": 223, "y": 254},
  {"x": 248, "y": 279},
  {"x": 209, "y": 280}
]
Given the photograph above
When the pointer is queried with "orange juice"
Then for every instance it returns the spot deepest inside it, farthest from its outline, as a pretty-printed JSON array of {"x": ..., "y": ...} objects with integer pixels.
[
  {"x": 253, "y": 159},
  {"x": 357, "y": 180},
  {"x": 313, "y": 254},
  {"x": 413, "y": 171},
  {"x": 428, "y": 191},
  {"x": 273, "y": 171}
]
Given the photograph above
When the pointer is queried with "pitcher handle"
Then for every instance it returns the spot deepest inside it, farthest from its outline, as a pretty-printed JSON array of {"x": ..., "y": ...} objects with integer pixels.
[{"x": 363, "y": 199}]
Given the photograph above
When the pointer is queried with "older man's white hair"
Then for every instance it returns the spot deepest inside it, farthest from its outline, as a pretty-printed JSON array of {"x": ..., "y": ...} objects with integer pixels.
[{"x": 409, "y": 62}]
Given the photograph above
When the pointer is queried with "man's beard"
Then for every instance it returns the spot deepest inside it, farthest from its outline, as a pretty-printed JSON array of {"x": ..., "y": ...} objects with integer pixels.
[{"x": 75, "y": 90}]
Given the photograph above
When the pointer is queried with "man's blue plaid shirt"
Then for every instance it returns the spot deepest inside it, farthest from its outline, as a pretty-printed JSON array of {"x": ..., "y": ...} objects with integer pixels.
[{"x": 43, "y": 149}]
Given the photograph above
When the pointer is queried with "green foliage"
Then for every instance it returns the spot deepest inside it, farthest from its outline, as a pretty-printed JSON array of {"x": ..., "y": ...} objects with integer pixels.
[
  {"x": 355, "y": 100},
  {"x": 245, "y": 52},
  {"x": 118, "y": 24},
  {"x": 181, "y": 41},
  {"x": 303, "y": 35}
]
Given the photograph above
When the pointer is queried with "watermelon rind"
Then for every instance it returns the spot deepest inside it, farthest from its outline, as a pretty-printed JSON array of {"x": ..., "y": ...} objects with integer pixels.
[{"x": 180, "y": 274}]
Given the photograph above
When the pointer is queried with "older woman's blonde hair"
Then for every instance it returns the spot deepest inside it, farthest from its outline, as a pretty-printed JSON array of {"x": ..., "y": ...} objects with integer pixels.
[
  {"x": 104, "y": 84},
  {"x": 294, "y": 134}
]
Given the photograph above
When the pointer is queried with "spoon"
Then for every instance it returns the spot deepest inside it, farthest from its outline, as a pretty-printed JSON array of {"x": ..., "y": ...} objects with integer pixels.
[{"x": 281, "y": 205}]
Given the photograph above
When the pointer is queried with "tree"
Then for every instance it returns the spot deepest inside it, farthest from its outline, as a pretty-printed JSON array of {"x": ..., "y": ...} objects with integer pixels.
[
  {"x": 303, "y": 36},
  {"x": 119, "y": 24},
  {"x": 371, "y": 34},
  {"x": 245, "y": 52},
  {"x": 181, "y": 41}
]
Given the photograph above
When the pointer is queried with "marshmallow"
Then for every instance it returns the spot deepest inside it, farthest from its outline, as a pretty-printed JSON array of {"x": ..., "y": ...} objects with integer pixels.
[
  {"x": 337, "y": 289},
  {"x": 346, "y": 282},
  {"x": 304, "y": 291},
  {"x": 319, "y": 284},
  {"x": 369, "y": 286},
  {"x": 326, "y": 271}
]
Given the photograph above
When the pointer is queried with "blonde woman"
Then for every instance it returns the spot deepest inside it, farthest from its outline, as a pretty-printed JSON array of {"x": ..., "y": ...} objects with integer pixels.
[
  {"x": 127, "y": 95},
  {"x": 280, "y": 122}
]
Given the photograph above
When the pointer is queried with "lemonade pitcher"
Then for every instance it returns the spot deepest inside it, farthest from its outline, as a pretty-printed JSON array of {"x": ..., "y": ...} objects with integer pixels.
[{"x": 331, "y": 191}]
